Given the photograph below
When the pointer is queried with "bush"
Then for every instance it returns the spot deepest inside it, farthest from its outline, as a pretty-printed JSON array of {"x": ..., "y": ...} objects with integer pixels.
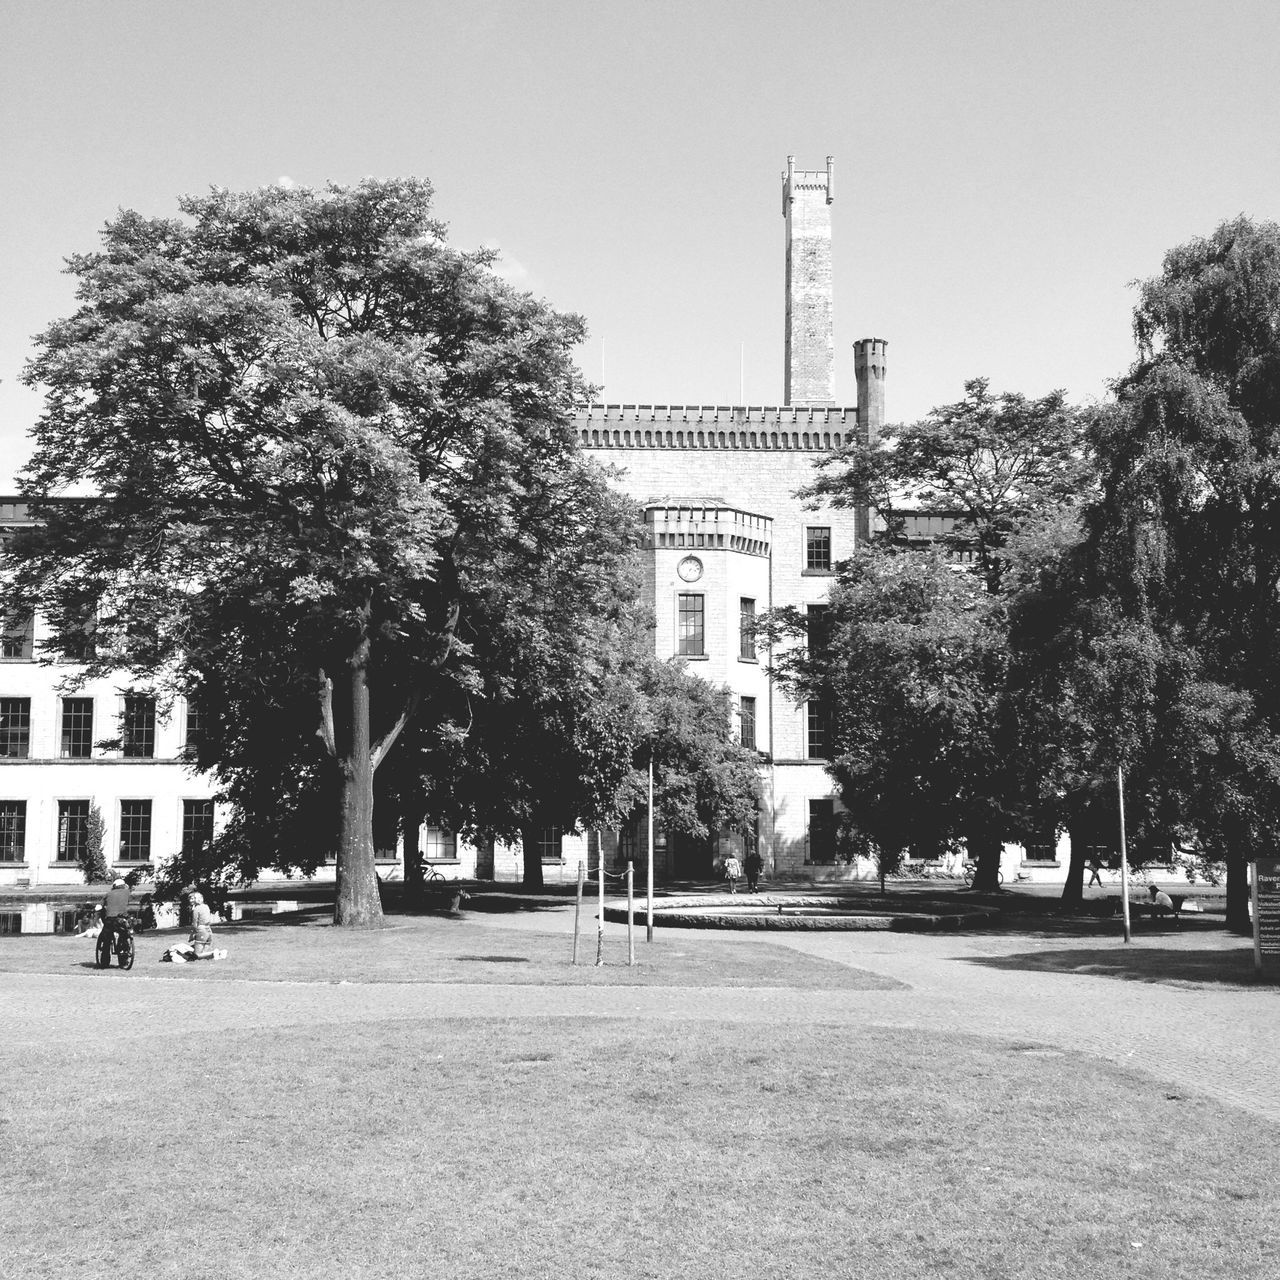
[{"x": 94, "y": 862}]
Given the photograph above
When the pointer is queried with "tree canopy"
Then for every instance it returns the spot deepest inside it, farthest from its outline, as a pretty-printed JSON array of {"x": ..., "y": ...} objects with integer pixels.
[{"x": 316, "y": 433}]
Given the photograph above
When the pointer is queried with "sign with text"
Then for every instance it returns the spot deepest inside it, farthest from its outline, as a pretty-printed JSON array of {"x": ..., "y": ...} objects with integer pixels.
[{"x": 1266, "y": 911}]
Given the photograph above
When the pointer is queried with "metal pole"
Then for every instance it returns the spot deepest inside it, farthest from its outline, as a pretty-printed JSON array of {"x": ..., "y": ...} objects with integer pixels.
[
  {"x": 600, "y": 923},
  {"x": 648, "y": 933},
  {"x": 1257, "y": 922},
  {"x": 631, "y": 913},
  {"x": 1124, "y": 858},
  {"x": 577, "y": 908}
]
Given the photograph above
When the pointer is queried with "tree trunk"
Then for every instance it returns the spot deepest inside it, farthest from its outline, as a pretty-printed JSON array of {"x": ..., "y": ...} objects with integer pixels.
[
  {"x": 529, "y": 839},
  {"x": 984, "y": 850},
  {"x": 1238, "y": 897},
  {"x": 359, "y": 903},
  {"x": 1073, "y": 889}
]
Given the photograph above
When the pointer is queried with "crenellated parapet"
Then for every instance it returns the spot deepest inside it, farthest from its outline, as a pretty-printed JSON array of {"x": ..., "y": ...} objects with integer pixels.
[
  {"x": 683, "y": 525},
  {"x": 790, "y": 428}
]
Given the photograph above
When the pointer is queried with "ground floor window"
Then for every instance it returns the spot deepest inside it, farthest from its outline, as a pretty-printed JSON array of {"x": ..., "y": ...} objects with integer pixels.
[
  {"x": 550, "y": 844},
  {"x": 442, "y": 845},
  {"x": 822, "y": 832},
  {"x": 13, "y": 830},
  {"x": 135, "y": 830},
  {"x": 73, "y": 830},
  {"x": 197, "y": 825},
  {"x": 10, "y": 921}
]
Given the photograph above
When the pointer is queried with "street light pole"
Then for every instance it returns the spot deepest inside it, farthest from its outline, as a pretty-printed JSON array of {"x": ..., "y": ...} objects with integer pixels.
[
  {"x": 1124, "y": 858},
  {"x": 648, "y": 932}
]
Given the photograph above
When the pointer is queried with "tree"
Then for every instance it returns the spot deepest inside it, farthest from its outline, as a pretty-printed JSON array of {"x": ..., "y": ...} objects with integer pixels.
[
  {"x": 1186, "y": 533},
  {"x": 988, "y": 461},
  {"x": 311, "y": 427},
  {"x": 912, "y": 672},
  {"x": 94, "y": 862}
]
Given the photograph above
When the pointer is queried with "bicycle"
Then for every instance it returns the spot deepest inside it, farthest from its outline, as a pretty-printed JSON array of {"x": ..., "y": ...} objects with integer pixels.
[
  {"x": 970, "y": 869},
  {"x": 117, "y": 941}
]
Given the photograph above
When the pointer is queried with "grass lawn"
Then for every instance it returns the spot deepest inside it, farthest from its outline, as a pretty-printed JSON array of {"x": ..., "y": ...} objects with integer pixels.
[
  {"x": 390, "y": 1145},
  {"x": 307, "y": 948},
  {"x": 533, "y": 1148}
]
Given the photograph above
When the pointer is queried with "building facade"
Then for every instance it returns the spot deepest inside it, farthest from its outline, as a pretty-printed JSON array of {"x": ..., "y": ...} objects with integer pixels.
[{"x": 72, "y": 749}]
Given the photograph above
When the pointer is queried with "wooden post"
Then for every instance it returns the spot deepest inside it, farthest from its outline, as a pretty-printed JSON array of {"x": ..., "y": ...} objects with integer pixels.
[
  {"x": 600, "y": 918},
  {"x": 631, "y": 912},
  {"x": 577, "y": 907},
  {"x": 648, "y": 933},
  {"x": 1124, "y": 858}
]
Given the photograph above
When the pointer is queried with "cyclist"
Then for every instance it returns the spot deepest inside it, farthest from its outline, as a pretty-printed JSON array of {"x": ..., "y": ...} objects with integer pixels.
[{"x": 115, "y": 908}]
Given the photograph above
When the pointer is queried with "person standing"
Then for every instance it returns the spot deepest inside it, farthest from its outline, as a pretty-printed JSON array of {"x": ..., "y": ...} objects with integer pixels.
[
  {"x": 732, "y": 872},
  {"x": 754, "y": 865}
]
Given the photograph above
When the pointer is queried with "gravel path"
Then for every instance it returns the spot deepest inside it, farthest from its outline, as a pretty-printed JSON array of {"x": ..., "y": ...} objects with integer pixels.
[{"x": 1129, "y": 1005}]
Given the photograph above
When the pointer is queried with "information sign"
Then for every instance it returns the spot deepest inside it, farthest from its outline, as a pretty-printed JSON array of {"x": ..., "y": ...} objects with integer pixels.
[{"x": 1266, "y": 912}]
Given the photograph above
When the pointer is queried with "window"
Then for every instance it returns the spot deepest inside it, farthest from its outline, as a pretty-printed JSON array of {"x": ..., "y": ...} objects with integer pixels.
[
  {"x": 817, "y": 630},
  {"x": 73, "y": 830},
  {"x": 81, "y": 642},
  {"x": 16, "y": 637},
  {"x": 194, "y": 727},
  {"x": 692, "y": 633},
  {"x": 10, "y": 921},
  {"x": 818, "y": 730},
  {"x": 747, "y": 721},
  {"x": 135, "y": 830},
  {"x": 197, "y": 825},
  {"x": 747, "y": 629},
  {"x": 817, "y": 548},
  {"x": 549, "y": 843},
  {"x": 15, "y": 728},
  {"x": 77, "y": 728},
  {"x": 138, "y": 726},
  {"x": 822, "y": 831},
  {"x": 13, "y": 830},
  {"x": 442, "y": 845}
]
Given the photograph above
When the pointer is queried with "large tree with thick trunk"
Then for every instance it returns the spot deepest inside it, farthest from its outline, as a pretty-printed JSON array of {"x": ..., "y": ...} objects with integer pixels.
[{"x": 311, "y": 428}]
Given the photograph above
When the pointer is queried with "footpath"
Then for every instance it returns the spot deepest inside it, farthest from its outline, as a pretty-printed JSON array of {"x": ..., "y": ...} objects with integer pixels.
[{"x": 1180, "y": 1006}]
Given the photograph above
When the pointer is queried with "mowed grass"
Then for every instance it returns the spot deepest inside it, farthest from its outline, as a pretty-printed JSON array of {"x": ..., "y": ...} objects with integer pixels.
[
  {"x": 617, "y": 1148},
  {"x": 308, "y": 948}
]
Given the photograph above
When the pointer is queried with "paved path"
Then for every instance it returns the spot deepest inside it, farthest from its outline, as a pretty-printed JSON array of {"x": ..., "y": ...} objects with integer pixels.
[{"x": 1222, "y": 1039}]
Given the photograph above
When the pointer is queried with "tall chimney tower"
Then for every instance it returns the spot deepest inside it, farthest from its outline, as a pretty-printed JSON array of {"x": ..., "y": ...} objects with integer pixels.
[
  {"x": 809, "y": 375},
  {"x": 869, "y": 369}
]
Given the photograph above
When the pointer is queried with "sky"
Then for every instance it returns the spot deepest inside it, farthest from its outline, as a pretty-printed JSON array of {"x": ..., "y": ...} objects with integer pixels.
[{"x": 1004, "y": 170}]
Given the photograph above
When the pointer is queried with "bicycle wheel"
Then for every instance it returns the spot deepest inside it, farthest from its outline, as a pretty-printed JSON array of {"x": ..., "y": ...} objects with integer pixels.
[
  {"x": 104, "y": 950},
  {"x": 433, "y": 876},
  {"x": 968, "y": 876},
  {"x": 125, "y": 952}
]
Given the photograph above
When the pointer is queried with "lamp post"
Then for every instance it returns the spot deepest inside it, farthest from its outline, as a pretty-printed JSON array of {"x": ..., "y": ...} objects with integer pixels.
[{"x": 1124, "y": 858}]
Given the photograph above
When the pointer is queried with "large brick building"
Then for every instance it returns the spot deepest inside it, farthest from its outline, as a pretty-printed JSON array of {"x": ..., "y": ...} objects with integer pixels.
[{"x": 727, "y": 538}]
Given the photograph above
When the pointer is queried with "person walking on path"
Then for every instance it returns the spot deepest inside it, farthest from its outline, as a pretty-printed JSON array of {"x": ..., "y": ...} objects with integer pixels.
[
  {"x": 754, "y": 865},
  {"x": 732, "y": 872},
  {"x": 1095, "y": 873}
]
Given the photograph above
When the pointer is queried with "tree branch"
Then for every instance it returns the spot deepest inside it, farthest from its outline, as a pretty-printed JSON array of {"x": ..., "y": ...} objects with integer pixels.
[{"x": 325, "y": 731}]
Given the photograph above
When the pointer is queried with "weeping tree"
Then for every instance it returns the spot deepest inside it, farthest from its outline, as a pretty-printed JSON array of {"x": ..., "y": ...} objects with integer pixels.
[
  {"x": 307, "y": 424},
  {"x": 1186, "y": 533}
]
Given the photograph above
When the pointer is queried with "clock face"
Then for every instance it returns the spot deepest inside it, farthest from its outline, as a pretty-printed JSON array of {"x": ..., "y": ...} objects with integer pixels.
[{"x": 690, "y": 568}]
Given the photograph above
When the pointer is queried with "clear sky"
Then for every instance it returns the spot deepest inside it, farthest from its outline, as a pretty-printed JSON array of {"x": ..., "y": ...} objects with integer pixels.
[{"x": 1003, "y": 168}]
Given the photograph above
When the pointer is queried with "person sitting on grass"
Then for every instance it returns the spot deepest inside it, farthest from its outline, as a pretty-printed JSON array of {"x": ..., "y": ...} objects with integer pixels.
[{"x": 199, "y": 945}]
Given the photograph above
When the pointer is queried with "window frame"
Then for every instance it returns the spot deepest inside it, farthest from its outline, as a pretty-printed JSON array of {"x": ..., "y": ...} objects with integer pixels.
[
  {"x": 15, "y": 735},
  {"x": 747, "y": 722},
  {"x": 135, "y": 743},
  {"x": 65, "y": 730},
  {"x": 747, "y": 629},
  {"x": 818, "y": 557},
  {"x": 145, "y": 814},
  {"x": 685, "y": 638},
  {"x": 64, "y": 828},
  {"x": 188, "y": 826},
  {"x": 24, "y": 635},
  {"x": 13, "y": 832}
]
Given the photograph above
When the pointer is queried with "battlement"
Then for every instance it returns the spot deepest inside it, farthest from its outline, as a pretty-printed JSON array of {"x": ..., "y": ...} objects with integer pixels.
[
  {"x": 811, "y": 428},
  {"x": 682, "y": 525},
  {"x": 793, "y": 180}
]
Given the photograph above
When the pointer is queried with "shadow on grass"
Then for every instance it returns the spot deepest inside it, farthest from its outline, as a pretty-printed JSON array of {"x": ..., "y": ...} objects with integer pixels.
[{"x": 1164, "y": 966}]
